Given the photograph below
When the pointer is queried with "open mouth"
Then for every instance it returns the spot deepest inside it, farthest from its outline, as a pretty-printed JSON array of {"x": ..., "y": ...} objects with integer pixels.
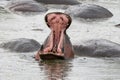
[{"x": 58, "y": 23}]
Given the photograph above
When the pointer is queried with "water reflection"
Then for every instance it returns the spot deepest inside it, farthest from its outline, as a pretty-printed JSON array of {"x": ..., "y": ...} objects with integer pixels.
[{"x": 56, "y": 70}]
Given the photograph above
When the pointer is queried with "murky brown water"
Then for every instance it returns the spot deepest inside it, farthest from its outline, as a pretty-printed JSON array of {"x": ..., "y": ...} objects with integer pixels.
[{"x": 22, "y": 66}]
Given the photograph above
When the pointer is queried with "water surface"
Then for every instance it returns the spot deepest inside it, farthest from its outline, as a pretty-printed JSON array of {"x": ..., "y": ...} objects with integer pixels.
[{"x": 22, "y": 66}]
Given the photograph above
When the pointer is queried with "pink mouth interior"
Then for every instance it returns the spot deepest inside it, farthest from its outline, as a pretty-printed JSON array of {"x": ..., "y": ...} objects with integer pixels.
[{"x": 58, "y": 25}]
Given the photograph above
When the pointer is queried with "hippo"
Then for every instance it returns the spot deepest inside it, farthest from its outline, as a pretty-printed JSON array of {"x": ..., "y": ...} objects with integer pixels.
[
  {"x": 97, "y": 48},
  {"x": 58, "y": 41},
  {"x": 66, "y": 2},
  {"x": 2, "y": 10},
  {"x": 88, "y": 11},
  {"x": 117, "y": 25},
  {"x": 21, "y": 45},
  {"x": 89, "y": 48},
  {"x": 26, "y": 6}
]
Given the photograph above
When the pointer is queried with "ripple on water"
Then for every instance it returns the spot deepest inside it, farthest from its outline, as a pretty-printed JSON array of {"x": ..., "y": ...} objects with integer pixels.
[
  {"x": 95, "y": 69},
  {"x": 12, "y": 66}
]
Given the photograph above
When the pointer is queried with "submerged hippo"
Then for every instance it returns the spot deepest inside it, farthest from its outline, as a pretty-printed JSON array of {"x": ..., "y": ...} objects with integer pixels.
[
  {"x": 97, "y": 48},
  {"x": 88, "y": 11},
  {"x": 117, "y": 25},
  {"x": 67, "y": 2},
  {"x": 26, "y": 6},
  {"x": 58, "y": 41},
  {"x": 21, "y": 45}
]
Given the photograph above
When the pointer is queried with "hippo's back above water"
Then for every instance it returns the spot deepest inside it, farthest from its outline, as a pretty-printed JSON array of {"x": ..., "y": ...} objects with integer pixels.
[
  {"x": 21, "y": 45},
  {"x": 26, "y": 6},
  {"x": 98, "y": 48},
  {"x": 68, "y": 2},
  {"x": 90, "y": 11}
]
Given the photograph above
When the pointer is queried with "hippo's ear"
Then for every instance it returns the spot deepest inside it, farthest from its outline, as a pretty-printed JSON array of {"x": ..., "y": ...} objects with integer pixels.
[
  {"x": 46, "y": 19},
  {"x": 70, "y": 20}
]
